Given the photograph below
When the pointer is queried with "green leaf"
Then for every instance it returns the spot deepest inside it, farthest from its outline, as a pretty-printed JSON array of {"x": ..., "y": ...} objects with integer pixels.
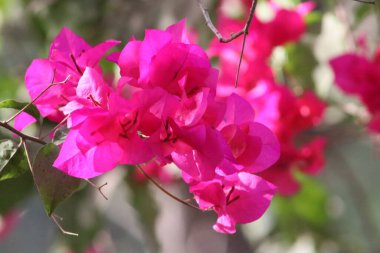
[
  {"x": 53, "y": 185},
  {"x": 362, "y": 12},
  {"x": 13, "y": 104},
  {"x": 300, "y": 64},
  {"x": 14, "y": 190},
  {"x": 13, "y": 161},
  {"x": 305, "y": 211}
]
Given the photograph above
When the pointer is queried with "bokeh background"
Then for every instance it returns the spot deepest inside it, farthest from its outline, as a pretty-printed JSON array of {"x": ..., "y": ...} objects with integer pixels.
[{"x": 336, "y": 211}]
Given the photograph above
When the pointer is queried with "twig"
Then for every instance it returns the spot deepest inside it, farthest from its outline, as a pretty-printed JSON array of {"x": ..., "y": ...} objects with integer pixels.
[
  {"x": 165, "y": 191},
  {"x": 212, "y": 27},
  {"x": 54, "y": 218},
  {"x": 20, "y": 134},
  {"x": 56, "y": 127},
  {"x": 246, "y": 29},
  {"x": 365, "y": 2},
  {"x": 233, "y": 36},
  {"x": 27, "y": 155},
  {"x": 39, "y": 95},
  {"x": 98, "y": 187}
]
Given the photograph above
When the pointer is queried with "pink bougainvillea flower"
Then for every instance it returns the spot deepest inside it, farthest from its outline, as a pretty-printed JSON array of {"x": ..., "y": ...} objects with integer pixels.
[
  {"x": 351, "y": 71},
  {"x": 276, "y": 106},
  {"x": 292, "y": 29},
  {"x": 254, "y": 147},
  {"x": 237, "y": 199},
  {"x": 262, "y": 38},
  {"x": 308, "y": 159},
  {"x": 357, "y": 75},
  {"x": 186, "y": 66},
  {"x": 103, "y": 131},
  {"x": 69, "y": 56},
  {"x": 291, "y": 115},
  {"x": 163, "y": 111}
]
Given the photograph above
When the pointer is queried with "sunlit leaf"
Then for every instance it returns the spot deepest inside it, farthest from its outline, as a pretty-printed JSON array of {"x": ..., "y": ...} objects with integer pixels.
[
  {"x": 13, "y": 162},
  {"x": 13, "y": 104}
]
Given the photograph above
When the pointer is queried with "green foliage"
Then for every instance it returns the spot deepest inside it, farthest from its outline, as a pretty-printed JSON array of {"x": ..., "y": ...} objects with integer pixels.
[
  {"x": 53, "y": 185},
  {"x": 13, "y": 104},
  {"x": 300, "y": 64},
  {"x": 8, "y": 85},
  {"x": 14, "y": 190},
  {"x": 362, "y": 11},
  {"x": 13, "y": 162},
  {"x": 305, "y": 211}
]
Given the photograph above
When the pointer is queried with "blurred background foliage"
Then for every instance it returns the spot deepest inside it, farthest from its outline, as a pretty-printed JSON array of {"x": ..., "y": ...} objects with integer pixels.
[{"x": 337, "y": 211}]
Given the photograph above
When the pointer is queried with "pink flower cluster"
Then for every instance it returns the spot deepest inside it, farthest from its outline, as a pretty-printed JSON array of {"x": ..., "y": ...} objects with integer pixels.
[
  {"x": 163, "y": 109},
  {"x": 276, "y": 105},
  {"x": 360, "y": 75}
]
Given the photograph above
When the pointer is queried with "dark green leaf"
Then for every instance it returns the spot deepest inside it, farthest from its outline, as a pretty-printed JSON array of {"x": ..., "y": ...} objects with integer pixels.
[
  {"x": 53, "y": 185},
  {"x": 12, "y": 104},
  {"x": 13, "y": 161},
  {"x": 14, "y": 190}
]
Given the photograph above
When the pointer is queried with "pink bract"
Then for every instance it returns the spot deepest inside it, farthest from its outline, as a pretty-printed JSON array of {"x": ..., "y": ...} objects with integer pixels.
[
  {"x": 357, "y": 75},
  {"x": 163, "y": 110},
  {"x": 68, "y": 57}
]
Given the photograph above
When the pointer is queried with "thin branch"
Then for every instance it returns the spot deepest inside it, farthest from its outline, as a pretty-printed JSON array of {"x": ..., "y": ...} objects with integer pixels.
[
  {"x": 246, "y": 29},
  {"x": 186, "y": 203},
  {"x": 27, "y": 155},
  {"x": 233, "y": 36},
  {"x": 39, "y": 95},
  {"x": 365, "y": 2},
  {"x": 54, "y": 218},
  {"x": 99, "y": 188},
  {"x": 56, "y": 127},
  {"x": 20, "y": 134},
  {"x": 212, "y": 27}
]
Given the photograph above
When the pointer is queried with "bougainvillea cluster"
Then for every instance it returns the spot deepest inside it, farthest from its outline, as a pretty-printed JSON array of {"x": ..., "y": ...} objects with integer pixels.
[
  {"x": 276, "y": 105},
  {"x": 163, "y": 109},
  {"x": 359, "y": 75}
]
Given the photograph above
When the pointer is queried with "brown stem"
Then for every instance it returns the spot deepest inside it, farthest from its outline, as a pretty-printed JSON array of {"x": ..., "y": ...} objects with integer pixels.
[
  {"x": 165, "y": 191},
  {"x": 99, "y": 188},
  {"x": 246, "y": 29},
  {"x": 56, "y": 127},
  {"x": 233, "y": 36},
  {"x": 365, "y": 2},
  {"x": 54, "y": 218},
  {"x": 20, "y": 134}
]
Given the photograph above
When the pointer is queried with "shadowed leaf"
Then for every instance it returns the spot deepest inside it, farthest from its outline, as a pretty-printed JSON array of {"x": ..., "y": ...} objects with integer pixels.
[{"x": 53, "y": 185}]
